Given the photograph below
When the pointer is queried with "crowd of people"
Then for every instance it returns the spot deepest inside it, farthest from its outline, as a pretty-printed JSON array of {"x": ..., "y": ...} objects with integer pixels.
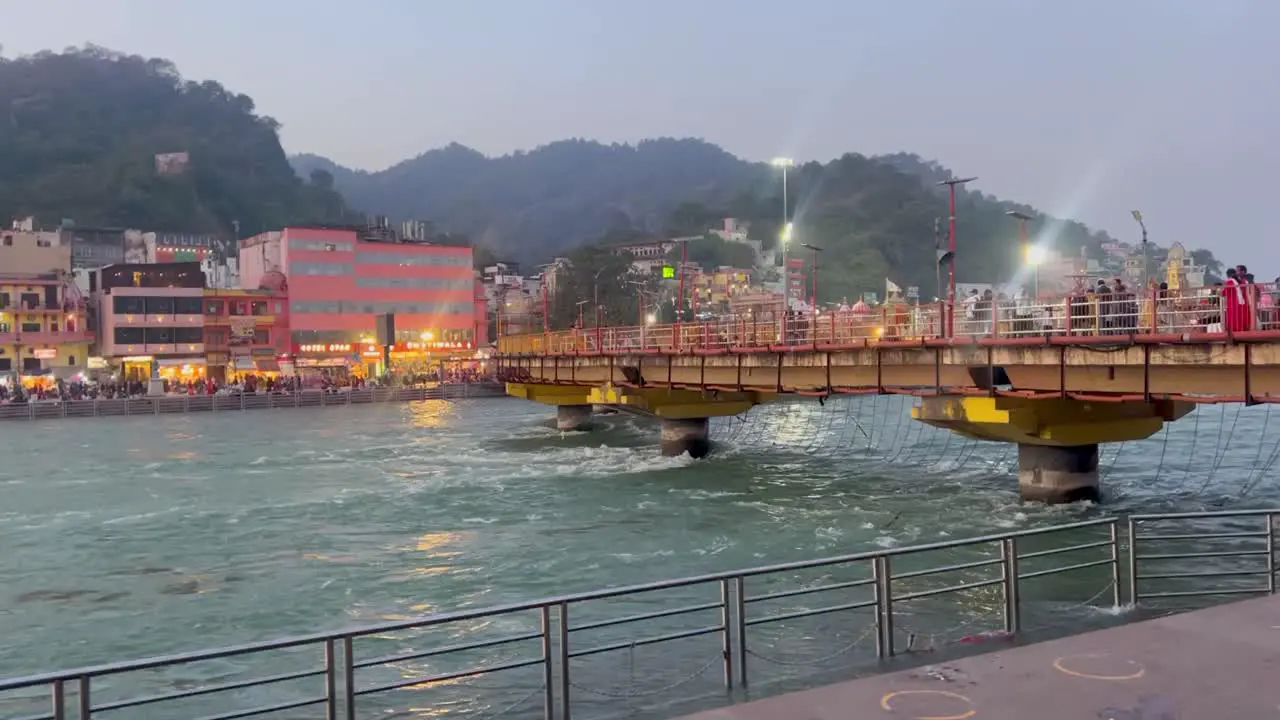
[{"x": 253, "y": 384}]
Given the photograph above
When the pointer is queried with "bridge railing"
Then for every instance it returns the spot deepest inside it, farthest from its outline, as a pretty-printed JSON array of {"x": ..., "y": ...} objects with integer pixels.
[
  {"x": 1203, "y": 313},
  {"x": 554, "y": 654}
]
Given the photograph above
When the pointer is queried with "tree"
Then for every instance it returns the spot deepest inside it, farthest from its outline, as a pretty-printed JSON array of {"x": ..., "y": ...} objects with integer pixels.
[
  {"x": 598, "y": 278},
  {"x": 711, "y": 252},
  {"x": 84, "y": 128}
]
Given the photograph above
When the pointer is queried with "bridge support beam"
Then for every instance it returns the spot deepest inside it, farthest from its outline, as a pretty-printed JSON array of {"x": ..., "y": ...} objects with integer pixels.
[
  {"x": 1052, "y": 474},
  {"x": 1057, "y": 438},
  {"x": 573, "y": 417},
  {"x": 685, "y": 435}
]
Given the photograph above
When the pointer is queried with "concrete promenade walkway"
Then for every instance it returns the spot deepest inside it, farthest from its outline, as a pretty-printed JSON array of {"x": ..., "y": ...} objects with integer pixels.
[{"x": 1221, "y": 663}]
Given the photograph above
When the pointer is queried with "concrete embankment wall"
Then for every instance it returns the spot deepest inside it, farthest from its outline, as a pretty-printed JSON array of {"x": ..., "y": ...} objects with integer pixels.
[{"x": 176, "y": 404}]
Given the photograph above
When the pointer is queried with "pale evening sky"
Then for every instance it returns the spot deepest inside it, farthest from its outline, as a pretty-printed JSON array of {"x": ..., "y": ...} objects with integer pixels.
[{"x": 1085, "y": 108}]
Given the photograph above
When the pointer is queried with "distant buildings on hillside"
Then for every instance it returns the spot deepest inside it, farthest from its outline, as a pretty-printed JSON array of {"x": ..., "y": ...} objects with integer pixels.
[{"x": 151, "y": 307}]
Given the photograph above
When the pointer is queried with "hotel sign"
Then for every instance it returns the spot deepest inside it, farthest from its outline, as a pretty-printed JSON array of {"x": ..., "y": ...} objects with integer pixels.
[{"x": 322, "y": 348}]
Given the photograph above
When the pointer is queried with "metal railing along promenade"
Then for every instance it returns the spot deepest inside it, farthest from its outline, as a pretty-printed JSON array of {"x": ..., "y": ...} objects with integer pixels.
[
  {"x": 1195, "y": 315},
  {"x": 176, "y": 404},
  {"x": 554, "y": 651}
]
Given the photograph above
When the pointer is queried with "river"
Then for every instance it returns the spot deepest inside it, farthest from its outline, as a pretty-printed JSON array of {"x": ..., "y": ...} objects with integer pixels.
[{"x": 129, "y": 537}]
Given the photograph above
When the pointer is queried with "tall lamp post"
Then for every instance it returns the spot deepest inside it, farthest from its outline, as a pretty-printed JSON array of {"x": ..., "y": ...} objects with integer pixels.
[
  {"x": 951, "y": 248},
  {"x": 1025, "y": 249},
  {"x": 814, "y": 327},
  {"x": 684, "y": 256},
  {"x": 785, "y": 236},
  {"x": 1137, "y": 216}
]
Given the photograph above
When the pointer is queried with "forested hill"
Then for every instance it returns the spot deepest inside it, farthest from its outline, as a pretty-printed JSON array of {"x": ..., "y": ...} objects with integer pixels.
[
  {"x": 81, "y": 130},
  {"x": 875, "y": 216},
  {"x": 534, "y": 204}
]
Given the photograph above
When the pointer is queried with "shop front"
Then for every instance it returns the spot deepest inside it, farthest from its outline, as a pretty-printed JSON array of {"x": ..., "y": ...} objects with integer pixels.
[
  {"x": 261, "y": 364},
  {"x": 333, "y": 362},
  {"x": 428, "y": 357},
  {"x": 184, "y": 369},
  {"x": 136, "y": 368}
]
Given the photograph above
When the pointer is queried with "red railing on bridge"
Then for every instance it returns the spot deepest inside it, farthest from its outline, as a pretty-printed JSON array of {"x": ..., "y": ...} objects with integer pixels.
[{"x": 1161, "y": 316}]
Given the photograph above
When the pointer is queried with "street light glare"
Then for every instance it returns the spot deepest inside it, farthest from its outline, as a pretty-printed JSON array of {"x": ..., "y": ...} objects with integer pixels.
[
  {"x": 1036, "y": 255},
  {"x": 782, "y": 162},
  {"x": 786, "y": 233},
  {"x": 650, "y": 319}
]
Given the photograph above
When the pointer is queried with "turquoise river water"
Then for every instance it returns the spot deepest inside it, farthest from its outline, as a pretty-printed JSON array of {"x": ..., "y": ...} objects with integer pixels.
[{"x": 129, "y": 537}]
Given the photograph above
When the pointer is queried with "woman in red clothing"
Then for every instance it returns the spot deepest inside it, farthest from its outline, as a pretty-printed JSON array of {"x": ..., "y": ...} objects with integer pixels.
[{"x": 1235, "y": 306}]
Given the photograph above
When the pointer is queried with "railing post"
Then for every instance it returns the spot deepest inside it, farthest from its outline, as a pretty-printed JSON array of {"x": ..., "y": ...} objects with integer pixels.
[
  {"x": 59, "y": 701},
  {"x": 1271, "y": 554},
  {"x": 348, "y": 679},
  {"x": 242, "y": 401},
  {"x": 1133, "y": 561},
  {"x": 330, "y": 682},
  {"x": 1113, "y": 532},
  {"x": 548, "y": 668},
  {"x": 1009, "y": 573},
  {"x": 740, "y": 614},
  {"x": 84, "y": 700},
  {"x": 563, "y": 632},
  {"x": 882, "y": 573},
  {"x": 726, "y": 639}
]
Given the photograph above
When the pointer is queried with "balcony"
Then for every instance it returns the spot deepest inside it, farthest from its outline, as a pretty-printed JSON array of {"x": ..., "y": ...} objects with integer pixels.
[
  {"x": 46, "y": 337},
  {"x": 151, "y": 349},
  {"x": 141, "y": 320}
]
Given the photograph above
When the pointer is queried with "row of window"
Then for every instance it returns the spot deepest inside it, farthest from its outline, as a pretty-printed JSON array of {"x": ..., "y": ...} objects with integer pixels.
[
  {"x": 29, "y": 327},
  {"x": 346, "y": 340},
  {"x": 29, "y": 364},
  {"x": 321, "y": 267},
  {"x": 158, "y": 335},
  {"x": 334, "y": 307},
  {"x": 416, "y": 283},
  {"x": 322, "y": 245},
  {"x": 372, "y": 257},
  {"x": 134, "y": 305}
]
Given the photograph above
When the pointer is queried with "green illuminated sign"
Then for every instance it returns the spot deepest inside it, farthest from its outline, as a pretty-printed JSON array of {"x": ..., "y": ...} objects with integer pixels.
[{"x": 668, "y": 272}]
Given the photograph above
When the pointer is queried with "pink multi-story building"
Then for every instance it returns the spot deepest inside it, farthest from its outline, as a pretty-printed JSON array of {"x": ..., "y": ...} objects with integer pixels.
[{"x": 339, "y": 282}]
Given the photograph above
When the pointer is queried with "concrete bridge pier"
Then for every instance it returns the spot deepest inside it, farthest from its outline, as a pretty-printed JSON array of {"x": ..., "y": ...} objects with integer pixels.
[
  {"x": 573, "y": 417},
  {"x": 685, "y": 435},
  {"x": 1053, "y": 475},
  {"x": 1057, "y": 438}
]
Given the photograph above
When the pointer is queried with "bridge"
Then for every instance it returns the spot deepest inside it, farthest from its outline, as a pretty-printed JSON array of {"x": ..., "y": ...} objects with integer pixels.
[{"x": 1057, "y": 377}]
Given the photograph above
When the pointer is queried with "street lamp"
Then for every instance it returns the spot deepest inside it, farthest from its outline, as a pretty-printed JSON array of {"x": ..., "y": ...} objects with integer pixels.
[
  {"x": 1035, "y": 256},
  {"x": 1137, "y": 216},
  {"x": 951, "y": 248},
  {"x": 814, "y": 327},
  {"x": 684, "y": 254},
  {"x": 1027, "y": 253},
  {"x": 784, "y": 164}
]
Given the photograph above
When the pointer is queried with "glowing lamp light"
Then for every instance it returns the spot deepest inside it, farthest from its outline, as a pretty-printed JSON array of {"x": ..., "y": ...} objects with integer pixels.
[
  {"x": 650, "y": 319},
  {"x": 427, "y": 335},
  {"x": 1036, "y": 255}
]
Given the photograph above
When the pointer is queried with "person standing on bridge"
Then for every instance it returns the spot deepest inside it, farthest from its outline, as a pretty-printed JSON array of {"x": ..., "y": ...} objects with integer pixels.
[{"x": 1235, "y": 306}]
